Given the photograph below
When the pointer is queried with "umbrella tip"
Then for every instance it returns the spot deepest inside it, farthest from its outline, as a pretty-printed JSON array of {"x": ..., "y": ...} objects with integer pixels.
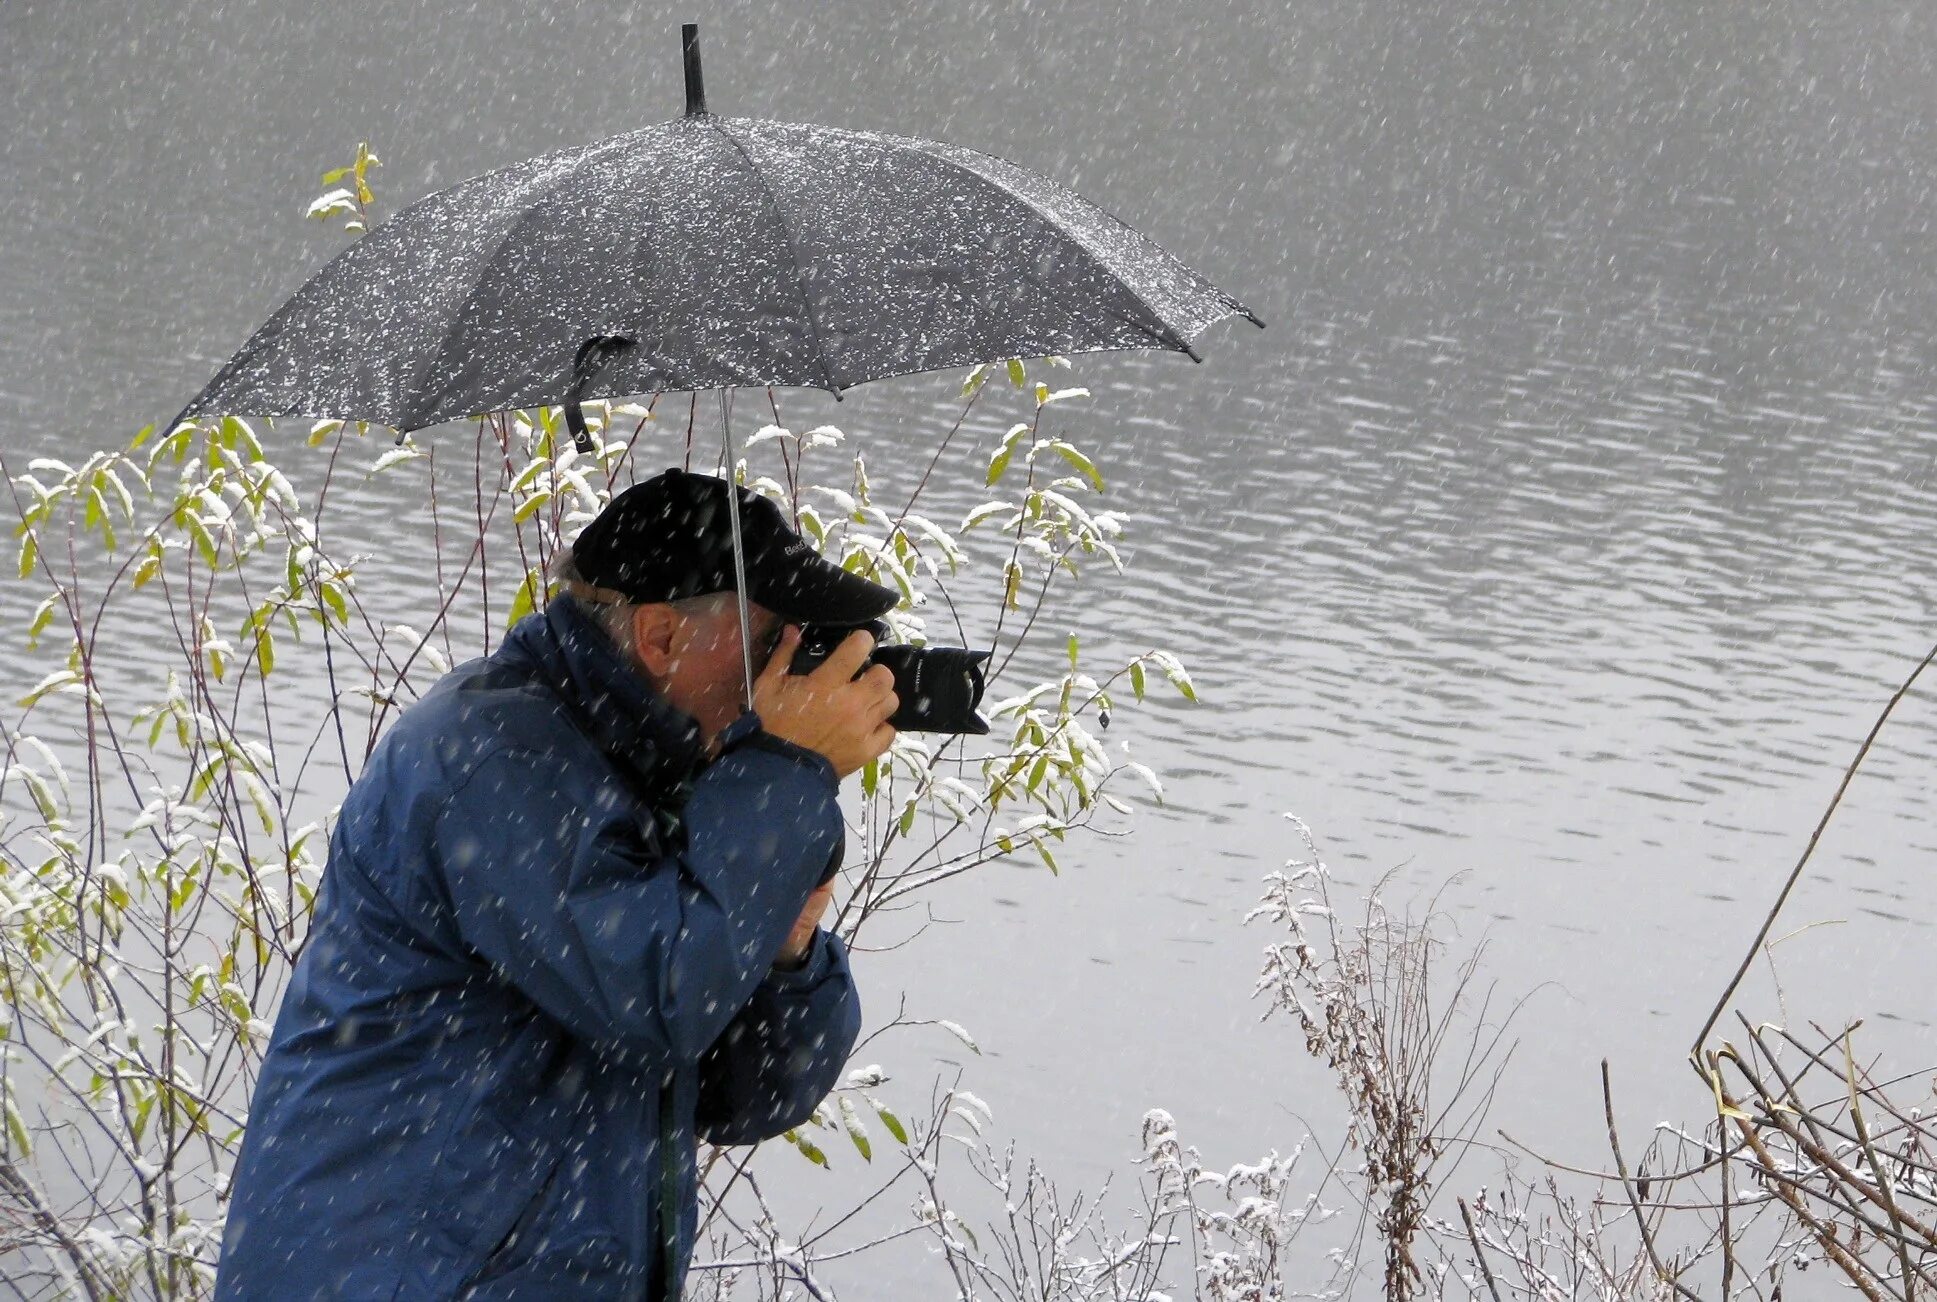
[{"x": 695, "y": 86}]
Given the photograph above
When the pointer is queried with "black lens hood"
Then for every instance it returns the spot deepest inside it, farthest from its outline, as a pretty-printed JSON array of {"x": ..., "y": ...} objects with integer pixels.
[{"x": 940, "y": 688}]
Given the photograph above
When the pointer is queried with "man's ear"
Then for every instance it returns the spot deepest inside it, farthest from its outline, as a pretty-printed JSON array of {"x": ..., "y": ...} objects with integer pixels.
[{"x": 652, "y": 635}]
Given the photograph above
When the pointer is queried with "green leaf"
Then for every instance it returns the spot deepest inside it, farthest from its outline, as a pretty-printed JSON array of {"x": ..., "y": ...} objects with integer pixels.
[
  {"x": 870, "y": 776},
  {"x": 29, "y": 553},
  {"x": 527, "y": 599},
  {"x": 1048, "y": 858},
  {"x": 1004, "y": 454},
  {"x": 1072, "y": 650},
  {"x": 246, "y": 436},
  {"x": 395, "y": 456},
  {"x": 998, "y": 464},
  {"x": 855, "y": 1130},
  {"x": 17, "y": 1128},
  {"x": 265, "y": 651},
  {"x": 326, "y": 206},
  {"x": 121, "y": 493},
  {"x": 204, "y": 540},
  {"x": 890, "y": 1120},
  {"x": 529, "y": 475},
  {"x": 986, "y": 511},
  {"x": 43, "y": 794},
  {"x": 1081, "y": 462},
  {"x": 336, "y": 174},
  {"x": 956, "y": 1029},
  {"x": 530, "y": 506},
  {"x": 807, "y": 1148},
  {"x": 264, "y": 805},
  {"x": 1136, "y": 678},
  {"x": 1016, "y": 375},
  {"x": 1174, "y": 671},
  {"x": 333, "y": 599},
  {"x": 58, "y": 679}
]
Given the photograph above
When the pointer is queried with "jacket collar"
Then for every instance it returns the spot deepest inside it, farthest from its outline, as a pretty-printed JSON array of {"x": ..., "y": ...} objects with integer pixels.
[{"x": 657, "y": 744}]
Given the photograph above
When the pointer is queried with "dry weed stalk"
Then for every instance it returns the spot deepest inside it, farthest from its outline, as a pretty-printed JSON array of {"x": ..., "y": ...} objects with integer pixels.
[{"x": 1373, "y": 1008}]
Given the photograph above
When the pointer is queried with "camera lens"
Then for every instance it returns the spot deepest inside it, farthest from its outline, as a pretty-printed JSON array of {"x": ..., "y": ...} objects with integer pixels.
[{"x": 940, "y": 687}]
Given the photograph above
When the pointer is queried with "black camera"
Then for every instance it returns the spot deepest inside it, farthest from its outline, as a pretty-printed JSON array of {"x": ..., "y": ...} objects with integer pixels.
[{"x": 940, "y": 686}]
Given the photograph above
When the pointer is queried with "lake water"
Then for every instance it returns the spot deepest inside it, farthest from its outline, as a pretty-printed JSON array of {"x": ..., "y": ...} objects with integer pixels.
[{"x": 1565, "y": 531}]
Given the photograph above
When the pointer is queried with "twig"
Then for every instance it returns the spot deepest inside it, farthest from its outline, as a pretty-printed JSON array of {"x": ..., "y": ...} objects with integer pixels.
[
  {"x": 1640, "y": 1219},
  {"x": 1882, "y": 1177},
  {"x": 1666, "y": 1177},
  {"x": 1479, "y": 1254},
  {"x": 1795, "y": 874}
]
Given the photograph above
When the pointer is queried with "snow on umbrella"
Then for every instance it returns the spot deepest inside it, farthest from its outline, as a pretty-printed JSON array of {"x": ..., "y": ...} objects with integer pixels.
[{"x": 708, "y": 252}]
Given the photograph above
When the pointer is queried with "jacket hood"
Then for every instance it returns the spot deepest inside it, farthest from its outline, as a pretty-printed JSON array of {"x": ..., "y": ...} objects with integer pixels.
[{"x": 657, "y": 743}]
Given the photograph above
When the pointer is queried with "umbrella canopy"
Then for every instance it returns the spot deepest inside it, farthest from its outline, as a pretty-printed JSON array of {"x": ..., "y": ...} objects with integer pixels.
[{"x": 709, "y": 252}]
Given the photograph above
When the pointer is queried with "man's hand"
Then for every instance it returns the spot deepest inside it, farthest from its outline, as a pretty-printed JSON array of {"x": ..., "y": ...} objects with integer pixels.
[
  {"x": 830, "y": 710},
  {"x": 801, "y": 938}
]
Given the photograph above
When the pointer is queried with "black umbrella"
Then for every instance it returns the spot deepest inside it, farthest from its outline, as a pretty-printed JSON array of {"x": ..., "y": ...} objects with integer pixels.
[{"x": 703, "y": 253}]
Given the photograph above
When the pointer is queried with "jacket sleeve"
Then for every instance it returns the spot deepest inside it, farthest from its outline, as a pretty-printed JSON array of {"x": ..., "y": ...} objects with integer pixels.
[
  {"x": 648, "y": 949},
  {"x": 784, "y": 1052}
]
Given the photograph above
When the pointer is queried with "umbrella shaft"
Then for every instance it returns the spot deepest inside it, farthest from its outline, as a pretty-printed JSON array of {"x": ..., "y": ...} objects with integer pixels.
[{"x": 739, "y": 548}]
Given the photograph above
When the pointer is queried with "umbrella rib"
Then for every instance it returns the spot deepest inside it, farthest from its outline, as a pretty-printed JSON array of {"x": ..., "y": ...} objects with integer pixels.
[
  {"x": 546, "y": 189},
  {"x": 793, "y": 250},
  {"x": 928, "y": 147},
  {"x": 1166, "y": 335}
]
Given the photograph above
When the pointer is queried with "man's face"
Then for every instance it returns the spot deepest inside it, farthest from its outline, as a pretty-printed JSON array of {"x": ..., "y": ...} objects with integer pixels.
[{"x": 703, "y": 673}]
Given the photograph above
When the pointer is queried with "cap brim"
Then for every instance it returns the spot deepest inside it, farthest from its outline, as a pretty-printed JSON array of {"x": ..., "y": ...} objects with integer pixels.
[{"x": 813, "y": 590}]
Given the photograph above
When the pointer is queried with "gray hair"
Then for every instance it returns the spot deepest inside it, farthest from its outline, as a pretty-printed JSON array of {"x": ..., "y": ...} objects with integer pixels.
[{"x": 612, "y": 611}]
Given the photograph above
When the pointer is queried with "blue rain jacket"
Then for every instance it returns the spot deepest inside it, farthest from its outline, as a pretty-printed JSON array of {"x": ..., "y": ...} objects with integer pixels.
[{"x": 539, "y": 968}]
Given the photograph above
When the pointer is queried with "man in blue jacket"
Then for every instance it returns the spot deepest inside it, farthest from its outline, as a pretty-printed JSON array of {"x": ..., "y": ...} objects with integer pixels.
[{"x": 568, "y": 926}]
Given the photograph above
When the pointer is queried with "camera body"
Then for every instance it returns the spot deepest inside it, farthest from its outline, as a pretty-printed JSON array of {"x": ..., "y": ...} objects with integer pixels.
[{"x": 940, "y": 686}]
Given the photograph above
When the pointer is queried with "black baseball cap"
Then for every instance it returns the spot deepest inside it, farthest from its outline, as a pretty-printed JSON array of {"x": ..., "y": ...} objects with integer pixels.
[{"x": 670, "y": 537}]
